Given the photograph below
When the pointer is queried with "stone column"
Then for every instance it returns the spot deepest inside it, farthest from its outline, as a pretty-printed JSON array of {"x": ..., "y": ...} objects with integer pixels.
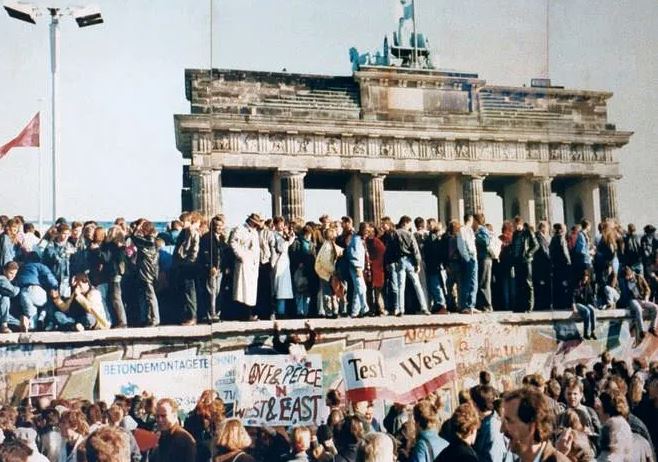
[
  {"x": 608, "y": 198},
  {"x": 206, "y": 191},
  {"x": 292, "y": 194},
  {"x": 354, "y": 198},
  {"x": 541, "y": 187},
  {"x": 473, "y": 193},
  {"x": 580, "y": 201},
  {"x": 275, "y": 193},
  {"x": 449, "y": 198},
  {"x": 373, "y": 197},
  {"x": 519, "y": 199}
]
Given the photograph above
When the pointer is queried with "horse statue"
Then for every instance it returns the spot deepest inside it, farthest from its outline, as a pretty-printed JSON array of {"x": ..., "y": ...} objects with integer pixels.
[{"x": 358, "y": 60}]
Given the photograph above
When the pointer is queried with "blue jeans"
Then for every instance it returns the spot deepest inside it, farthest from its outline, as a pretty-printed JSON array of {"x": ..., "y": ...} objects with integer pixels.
[
  {"x": 406, "y": 269},
  {"x": 67, "y": 320},
  {"x": 469, "y": 284},
  {"x": 392, "y": 288},
  {"x": 31, "y": 299},
  {"x": 149, "y": 310},
  {"x": 329, "y": 302},
  {"x": 5, "y": 316},
  {"x": 104, "y": 289},
  {"x": 302, "y": 302},
  {"x": 637, "y": 308},
  {"x": 611, "y": 296},
  {"x": 359, "y": 301},
  {"x": 435, "y": 290},
  {"x": 281, "y": 307},
  {"x": 588, "y": 313}
]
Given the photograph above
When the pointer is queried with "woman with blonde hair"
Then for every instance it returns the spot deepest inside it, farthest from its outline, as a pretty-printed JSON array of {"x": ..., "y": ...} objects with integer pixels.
[
  {"x": 232, "y": 441},
  {"x": 378, "y": 447},
  {"x": 325, "y": 268},
  {"x": 107, "y": 444}
]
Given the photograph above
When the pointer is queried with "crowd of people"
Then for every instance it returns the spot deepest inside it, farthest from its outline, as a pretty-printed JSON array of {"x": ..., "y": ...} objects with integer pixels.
[
  {"x": 83, "y": 276},
  {"x": 608, "y": 413}
]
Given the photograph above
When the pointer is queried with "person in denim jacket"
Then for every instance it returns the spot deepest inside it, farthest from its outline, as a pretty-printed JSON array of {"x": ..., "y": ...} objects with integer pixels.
[{"x": 7, "y": 292}]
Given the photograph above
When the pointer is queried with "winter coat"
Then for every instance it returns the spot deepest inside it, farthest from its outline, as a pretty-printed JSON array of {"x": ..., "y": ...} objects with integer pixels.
[
  {"x": 8, "y": 250},
  {"x": 559, "y": 252},
  {"x": 356, "y": 253},
  {"x": 147, "y": 258},
  {"x": 57, "y": 257},
  {"x": 376, "y": 251},
  {"x": 245, "y": 244},
  {"x": 302, "y": 262},
  {"x": 186, "y": 251},
  {"x": 282, "y": 283},
  {"x": 325, "y": 262}
]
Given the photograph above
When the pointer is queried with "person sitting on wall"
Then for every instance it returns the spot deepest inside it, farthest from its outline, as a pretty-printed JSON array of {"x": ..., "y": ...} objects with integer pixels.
[
  {"x": 83, "y": 310},
  {"x": 7, "y": 292},
  {"x": 38, "y": 286}
]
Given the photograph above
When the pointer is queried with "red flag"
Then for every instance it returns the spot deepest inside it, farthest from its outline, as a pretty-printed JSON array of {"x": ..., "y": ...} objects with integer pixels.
[{"x": 26, "y": 138}]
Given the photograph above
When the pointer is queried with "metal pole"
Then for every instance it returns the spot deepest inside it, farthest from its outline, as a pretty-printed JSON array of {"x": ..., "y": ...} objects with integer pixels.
[
  {"x": 413, "y": 16},
  {"x": 548, "y": 18},
  {"x": 40, "y": 188},
  {"x": 54, "y": 55}
]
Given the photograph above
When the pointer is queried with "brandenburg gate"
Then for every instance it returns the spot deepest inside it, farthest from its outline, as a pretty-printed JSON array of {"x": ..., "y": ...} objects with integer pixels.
[{"x": 399, "y": 124}]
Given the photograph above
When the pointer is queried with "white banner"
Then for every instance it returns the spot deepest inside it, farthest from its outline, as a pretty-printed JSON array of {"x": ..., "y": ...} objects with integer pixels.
[
  {"x": 223, "y": 373},
  {"x": 364, "y": 374},
  {"x": 275, "y": 390},
  {"x": 421, "y": 368},
  {"x": 181, "y": 378},
  {"x": 416, "y": 371}
]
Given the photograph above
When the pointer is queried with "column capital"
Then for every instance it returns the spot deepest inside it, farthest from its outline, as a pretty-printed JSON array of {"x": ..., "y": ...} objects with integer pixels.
[
  {"x": 609, "y": 178},
  {"x": 373, "y": 173},
  {"x": 291, "y": 173},
  {"x": 475, "y": 175},
  {"x": 540, "y": 178}
]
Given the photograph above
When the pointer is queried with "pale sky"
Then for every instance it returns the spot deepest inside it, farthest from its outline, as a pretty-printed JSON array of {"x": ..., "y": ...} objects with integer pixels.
[{"x": 122, "y": 82}]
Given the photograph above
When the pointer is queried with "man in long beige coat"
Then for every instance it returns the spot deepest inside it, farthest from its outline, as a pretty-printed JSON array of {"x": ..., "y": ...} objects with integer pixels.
[{"x": 245, "y": 244}]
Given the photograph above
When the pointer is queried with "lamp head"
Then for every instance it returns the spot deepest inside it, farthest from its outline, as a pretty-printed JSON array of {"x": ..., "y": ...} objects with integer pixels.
[
  {"x": 87, "y": 15},
  {"x": 21, "y": 11}
]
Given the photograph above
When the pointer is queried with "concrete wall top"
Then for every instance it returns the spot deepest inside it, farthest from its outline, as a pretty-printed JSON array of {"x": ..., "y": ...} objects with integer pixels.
[{"x": 326, "y": 326}]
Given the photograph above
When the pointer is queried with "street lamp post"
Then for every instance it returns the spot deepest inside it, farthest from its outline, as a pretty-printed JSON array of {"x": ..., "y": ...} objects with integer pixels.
[
  {"x": 54, "y": 115},
  {"x": 84, "y": 16}
]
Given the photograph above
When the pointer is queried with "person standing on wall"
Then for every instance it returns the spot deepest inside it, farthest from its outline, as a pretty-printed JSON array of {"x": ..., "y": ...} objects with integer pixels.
[
  {"x": 524, "y": 246},
  {"x": 482, "y": 243},
  {"x": 245, "y": 244}
]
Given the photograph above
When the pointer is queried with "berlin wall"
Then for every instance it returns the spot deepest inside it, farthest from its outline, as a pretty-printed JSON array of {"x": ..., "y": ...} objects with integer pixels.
[{"x": 180, "y": 362}]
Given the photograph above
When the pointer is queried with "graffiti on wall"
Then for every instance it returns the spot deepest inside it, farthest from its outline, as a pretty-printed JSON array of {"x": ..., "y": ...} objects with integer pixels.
[{"x": 508, "y": 351}]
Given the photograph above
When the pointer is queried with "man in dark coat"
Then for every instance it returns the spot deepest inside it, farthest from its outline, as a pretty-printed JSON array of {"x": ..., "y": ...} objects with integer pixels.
[
  {"x": 524, "y": 246},
  {"x": 175, "y": 444}
]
